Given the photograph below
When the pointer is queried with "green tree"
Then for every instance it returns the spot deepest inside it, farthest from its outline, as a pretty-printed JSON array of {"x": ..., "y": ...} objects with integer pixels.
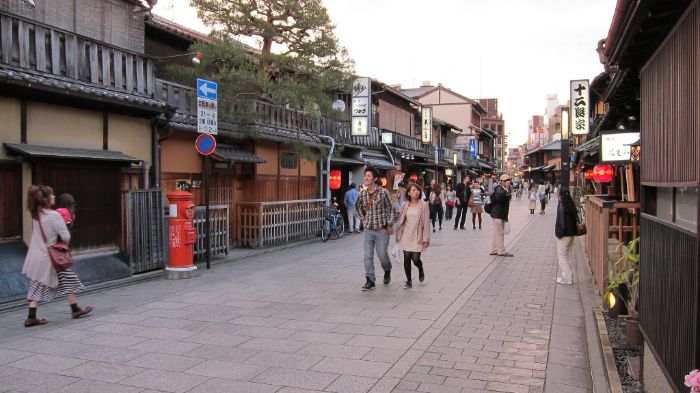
[{"x": 299, "y": 61}]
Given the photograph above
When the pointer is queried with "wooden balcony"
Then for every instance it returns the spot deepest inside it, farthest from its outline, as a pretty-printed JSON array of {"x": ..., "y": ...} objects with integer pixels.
[{"x": 33, "y": 47}]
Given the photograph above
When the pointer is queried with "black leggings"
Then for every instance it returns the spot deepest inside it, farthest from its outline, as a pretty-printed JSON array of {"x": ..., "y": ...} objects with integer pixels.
[
  {"x": 409, "y": 256},
  {"x": 436, "y": 211},
  {"x": 474, "y": 215}
]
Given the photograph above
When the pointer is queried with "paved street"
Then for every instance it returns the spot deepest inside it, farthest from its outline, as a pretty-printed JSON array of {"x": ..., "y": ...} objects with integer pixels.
[{"x": 296, "y": 321}]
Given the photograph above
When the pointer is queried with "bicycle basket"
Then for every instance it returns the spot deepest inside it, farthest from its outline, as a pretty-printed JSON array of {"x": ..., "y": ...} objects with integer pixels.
[{"x": 329, "y": 211}]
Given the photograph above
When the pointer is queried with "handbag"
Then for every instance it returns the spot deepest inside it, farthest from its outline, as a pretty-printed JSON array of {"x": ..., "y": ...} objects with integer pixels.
[
  {"x": 59, "y": 252},
  {"x": 450, "y": 203},
  {"x": 470, "y": 203},
  {"x": 581, "y": 229}
]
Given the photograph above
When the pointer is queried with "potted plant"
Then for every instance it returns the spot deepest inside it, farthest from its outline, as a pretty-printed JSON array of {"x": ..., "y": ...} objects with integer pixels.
[{"x": 623, "y": 288}]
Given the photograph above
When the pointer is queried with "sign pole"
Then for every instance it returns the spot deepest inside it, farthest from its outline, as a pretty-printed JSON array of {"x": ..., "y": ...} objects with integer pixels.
[{"x": 206, "y": 210}]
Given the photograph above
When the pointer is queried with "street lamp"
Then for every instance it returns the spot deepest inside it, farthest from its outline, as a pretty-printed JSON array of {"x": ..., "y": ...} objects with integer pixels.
[{"x": 565, "y": 160}]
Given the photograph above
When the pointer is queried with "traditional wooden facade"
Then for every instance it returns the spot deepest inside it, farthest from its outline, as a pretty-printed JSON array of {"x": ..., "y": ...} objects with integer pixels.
[
  {"x": 78, "y": 108},
  {"x": 652, "y": 55}
]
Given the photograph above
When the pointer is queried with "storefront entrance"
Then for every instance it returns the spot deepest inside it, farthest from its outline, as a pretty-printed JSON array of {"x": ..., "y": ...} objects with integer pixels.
[{"x": 11, "y": 201}]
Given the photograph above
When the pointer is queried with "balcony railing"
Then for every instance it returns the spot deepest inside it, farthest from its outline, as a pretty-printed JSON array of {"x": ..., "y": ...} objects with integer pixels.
[{"x": 44, "y": 49}]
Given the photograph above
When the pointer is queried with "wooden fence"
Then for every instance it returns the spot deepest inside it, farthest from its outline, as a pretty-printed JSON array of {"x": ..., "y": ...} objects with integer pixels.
[
  {"x": 218, "y": 218},
  {"x": 608, "y": 223},
  {"x": 143, "y": 235},
  {"x": 263, "y": 224}
]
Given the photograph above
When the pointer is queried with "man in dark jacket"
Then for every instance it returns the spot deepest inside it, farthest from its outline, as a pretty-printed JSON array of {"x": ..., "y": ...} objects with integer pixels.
[
  {"x": 464, "y": 192},
  {"x": 500, "y": 200}
]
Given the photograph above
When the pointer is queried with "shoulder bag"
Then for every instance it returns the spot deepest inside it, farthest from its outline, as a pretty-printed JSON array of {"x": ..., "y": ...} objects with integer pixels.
[{"x": 59, "y": 252}]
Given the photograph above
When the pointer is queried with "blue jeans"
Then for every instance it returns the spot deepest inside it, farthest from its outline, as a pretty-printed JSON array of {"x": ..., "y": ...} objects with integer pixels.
[{"x": 378, "y": 240}]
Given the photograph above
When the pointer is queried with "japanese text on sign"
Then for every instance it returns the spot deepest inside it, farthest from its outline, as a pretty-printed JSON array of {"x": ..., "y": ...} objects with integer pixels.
[
  {"x": 579, "y": 107},
  {"x": 361, "y": 107},
  {"x": 615, "y": 146},
  {"x": 426, "y": 125}
]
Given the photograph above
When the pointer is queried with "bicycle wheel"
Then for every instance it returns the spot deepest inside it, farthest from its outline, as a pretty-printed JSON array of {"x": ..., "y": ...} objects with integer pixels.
[
  {"x": 339, "y": 225},
  {"x": 325, "y": 230}
]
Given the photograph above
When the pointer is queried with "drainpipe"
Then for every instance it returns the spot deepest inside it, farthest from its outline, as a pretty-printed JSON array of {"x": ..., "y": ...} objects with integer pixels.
[{"x": 328, "y": 169}]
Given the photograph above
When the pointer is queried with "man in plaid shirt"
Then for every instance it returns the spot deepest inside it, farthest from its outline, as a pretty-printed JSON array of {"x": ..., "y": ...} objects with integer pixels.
[{"x": 376, "y": 211}]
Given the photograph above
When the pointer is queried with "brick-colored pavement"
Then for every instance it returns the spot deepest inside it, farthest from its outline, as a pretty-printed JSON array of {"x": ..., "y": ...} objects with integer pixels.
[{"x": 296, "y": 321}]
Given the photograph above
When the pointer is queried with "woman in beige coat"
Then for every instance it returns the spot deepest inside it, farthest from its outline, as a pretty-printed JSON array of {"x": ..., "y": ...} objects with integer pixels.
[
  {"x": 413, "y": 231},
  {"x": 47, "y": 283}
]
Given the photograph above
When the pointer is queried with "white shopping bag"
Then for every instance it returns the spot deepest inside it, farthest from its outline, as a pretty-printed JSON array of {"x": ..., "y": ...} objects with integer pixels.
[{"x": 397, "y": 254}]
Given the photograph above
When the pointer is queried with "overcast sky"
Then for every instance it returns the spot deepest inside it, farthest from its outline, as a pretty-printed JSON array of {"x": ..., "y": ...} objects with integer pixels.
[{"x": 515, "y": 50}]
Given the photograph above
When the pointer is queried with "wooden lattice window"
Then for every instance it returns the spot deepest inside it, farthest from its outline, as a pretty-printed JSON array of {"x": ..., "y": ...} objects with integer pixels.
[{"x": 288, "y": 160}]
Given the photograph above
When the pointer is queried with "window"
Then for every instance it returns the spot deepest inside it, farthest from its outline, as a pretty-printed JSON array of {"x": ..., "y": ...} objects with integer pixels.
[
  {"x": 288, "y": 160},
  {"x": 677, "y": 205}
]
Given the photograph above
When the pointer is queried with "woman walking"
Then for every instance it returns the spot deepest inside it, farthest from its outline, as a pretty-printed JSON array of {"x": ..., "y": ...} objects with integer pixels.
[
  {"x": 565, "y": 229},
  {"x": 436, "y": 197},
  {"x": 542, "y": 195},
  {"x": 532, "y": 196},
  {"x": 47, "y": 283},
  {"x": 450, "y": 198},
  {"x": 477, "y": 203},
  {"x": 413, "y": 232}
]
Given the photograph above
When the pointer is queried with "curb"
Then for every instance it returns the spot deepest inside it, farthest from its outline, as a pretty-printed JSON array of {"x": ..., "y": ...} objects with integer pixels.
[{"x": 600, "y": 371}]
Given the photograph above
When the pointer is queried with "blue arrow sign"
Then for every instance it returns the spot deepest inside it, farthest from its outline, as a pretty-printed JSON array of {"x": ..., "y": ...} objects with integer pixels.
[{"x": 206, "y": 89}]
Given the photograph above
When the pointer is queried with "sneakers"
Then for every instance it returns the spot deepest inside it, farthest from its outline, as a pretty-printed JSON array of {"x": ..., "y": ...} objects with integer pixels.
[
  {"x": 369, "y": 285},
  {"x": 408, "y": 285},
  {"x": 387, "y": 277},
  {"x": 564, "y": 280}
]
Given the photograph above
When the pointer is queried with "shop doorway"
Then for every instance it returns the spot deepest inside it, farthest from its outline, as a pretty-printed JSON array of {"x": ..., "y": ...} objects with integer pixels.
[{"x": 11, "y": 202}]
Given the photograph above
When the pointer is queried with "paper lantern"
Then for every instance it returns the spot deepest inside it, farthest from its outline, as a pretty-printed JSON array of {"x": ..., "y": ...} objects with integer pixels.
[
  {"x": 334, "y": 179},
  {"x": 588, "y": 175},
  {"x": 603, "y": 173},
  {"x": 413, "y": 178}
]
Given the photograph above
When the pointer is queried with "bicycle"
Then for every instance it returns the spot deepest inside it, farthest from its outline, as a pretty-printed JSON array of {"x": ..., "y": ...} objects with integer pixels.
[
  {"x": 332, "y": 222},
  {"x": 519, "y": 193}
]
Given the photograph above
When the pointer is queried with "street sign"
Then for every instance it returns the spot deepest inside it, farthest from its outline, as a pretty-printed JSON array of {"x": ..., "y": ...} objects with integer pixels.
[
  {"x": 207, "y": 107},
  {"x": 206, "y": 89},
  {"x": 205, "y": 144}
]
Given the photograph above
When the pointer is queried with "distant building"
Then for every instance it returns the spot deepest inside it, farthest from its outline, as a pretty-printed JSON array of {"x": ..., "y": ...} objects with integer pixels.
[{"x": 494, "y": 122}]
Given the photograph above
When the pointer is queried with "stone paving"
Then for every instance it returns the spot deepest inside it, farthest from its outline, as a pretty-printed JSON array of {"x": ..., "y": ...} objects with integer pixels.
[{"x": 296, "y": 321}]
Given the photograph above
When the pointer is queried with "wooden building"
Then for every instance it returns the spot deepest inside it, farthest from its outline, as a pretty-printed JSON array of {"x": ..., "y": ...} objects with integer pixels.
[{"x": 652, "y": 55}]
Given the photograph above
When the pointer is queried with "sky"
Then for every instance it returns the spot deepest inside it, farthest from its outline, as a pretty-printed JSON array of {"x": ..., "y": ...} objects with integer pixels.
[{"x": 518, "y": 51}]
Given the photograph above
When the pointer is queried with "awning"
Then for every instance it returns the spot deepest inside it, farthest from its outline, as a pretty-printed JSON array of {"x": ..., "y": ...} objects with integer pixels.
[
  {"x": 377, "y": 159},
  {"x": 486, "y": 166},
  {"x": 548, "y": 168},
  {"x": 346, "y": 160},
  {"x": 406, "y": 152},
  {"x": 38, "y": 151},
  {"x": 539, "y": 168},
  {"x": 589, "y": 145},
  {"x": 233, "y": 155}
]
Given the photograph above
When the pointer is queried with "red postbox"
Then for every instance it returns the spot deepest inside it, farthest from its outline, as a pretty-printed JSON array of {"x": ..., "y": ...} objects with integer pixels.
[{"x": 181, "y": 235}]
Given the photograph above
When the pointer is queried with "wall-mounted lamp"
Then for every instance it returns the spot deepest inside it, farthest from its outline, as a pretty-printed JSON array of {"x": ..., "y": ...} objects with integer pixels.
[
  {"x": 564, "y": 123},
  {"x": 196, "y": 59}
]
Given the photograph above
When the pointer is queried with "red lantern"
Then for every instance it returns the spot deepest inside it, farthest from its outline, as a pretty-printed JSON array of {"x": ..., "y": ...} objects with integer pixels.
[
  {"x": 588, "y": 175},
  {"x": 334, "y": 179},
  {"x": 603, "y": 173},
  {"x": 413, "y": 178}
]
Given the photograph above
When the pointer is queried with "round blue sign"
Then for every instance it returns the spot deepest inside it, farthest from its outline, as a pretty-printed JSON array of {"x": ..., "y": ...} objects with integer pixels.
[{"x": 205, "y": 144}]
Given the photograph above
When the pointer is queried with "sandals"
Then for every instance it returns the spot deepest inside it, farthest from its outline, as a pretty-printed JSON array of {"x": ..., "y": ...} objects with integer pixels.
[{"x": 34, "y": 322}]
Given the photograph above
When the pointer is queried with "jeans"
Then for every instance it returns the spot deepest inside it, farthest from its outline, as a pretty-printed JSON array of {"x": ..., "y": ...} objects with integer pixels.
[
  {"x": 497, "y": 240},
  {"x": 378, "y": 240},
  {"x": 461, "y": 213},
  {"x": 564, "y": 252},
  {"x": 436, "y": 212},
  {"x": 448, "y": 212},
  {"x": 353, "y": 221}
]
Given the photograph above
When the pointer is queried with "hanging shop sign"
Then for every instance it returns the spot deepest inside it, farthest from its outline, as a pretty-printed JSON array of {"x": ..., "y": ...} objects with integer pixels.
[
  {"x": 361, "y": 106},
  {"x": 579, "y": 107},
  {"x": 615, "y": 145},
  {"x": 426, "y": 125},
  {"x": 388, "y": 138}
]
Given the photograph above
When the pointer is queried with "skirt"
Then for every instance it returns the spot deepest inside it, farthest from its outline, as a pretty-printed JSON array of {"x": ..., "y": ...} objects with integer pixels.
[
  {"x": 68, "y": 282},
  {"x": 477, "y": 209}
]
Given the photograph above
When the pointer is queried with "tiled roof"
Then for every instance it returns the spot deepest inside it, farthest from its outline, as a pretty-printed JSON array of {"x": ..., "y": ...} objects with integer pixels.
[
  {"x": 377, "y": 159},
  {"x": 50, "y": 82},
  {"x": 38, "y": 151},
  {"x": 417, "y": 92},
  {"x": 234, "y": 154}
]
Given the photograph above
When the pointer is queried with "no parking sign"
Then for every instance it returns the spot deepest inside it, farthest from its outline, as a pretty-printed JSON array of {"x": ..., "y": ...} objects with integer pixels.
[{"x": 205, "y": 144}]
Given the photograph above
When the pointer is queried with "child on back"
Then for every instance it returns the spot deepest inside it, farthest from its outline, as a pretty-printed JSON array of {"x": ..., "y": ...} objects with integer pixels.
[{"x": 66, "y": 208}]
